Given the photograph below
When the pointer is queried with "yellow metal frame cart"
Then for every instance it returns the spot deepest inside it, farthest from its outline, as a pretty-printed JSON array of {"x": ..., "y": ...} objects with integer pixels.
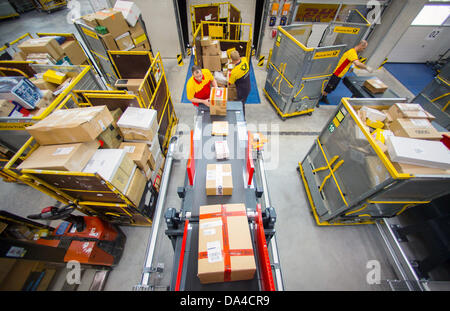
[
  {"x": 214, "y": 12},
  {"x": 153, "y": 91},
  {"x": 296, "y": 74},
  {"x": 50, "y": 5},
  {"x": 230, "y": 35},
  {"x": 99, "y": 51},
  {"x": 348, "y": 178},
  {"x": 12, "y": 129},
  {"x": 90, "y": 192},
  {"x": 349, "y": 31}
]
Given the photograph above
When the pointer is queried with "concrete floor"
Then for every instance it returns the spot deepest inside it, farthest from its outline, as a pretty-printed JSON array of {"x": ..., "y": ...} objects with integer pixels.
[{"x": 312, "y": 257}]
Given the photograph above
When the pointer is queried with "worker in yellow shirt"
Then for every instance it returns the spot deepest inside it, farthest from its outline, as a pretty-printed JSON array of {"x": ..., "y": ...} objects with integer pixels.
[
  {"x": 198, "y": 87},
  {"x": 240, "y": 76},
  {"x": 348, "y": 58}
]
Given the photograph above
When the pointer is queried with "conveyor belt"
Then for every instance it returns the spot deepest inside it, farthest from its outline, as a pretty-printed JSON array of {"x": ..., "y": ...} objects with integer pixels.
[
  {"x": 195, "y": 196},
  {"x": 355, "y": 85}
]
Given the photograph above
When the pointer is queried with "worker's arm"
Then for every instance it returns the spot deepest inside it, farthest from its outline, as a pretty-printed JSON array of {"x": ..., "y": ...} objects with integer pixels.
[
  {"x": 360, "y": 65},
  {"x": 200, "y": 101},
  {"x": 190, "y": 92},
  {"x": 214, "y": 83}
]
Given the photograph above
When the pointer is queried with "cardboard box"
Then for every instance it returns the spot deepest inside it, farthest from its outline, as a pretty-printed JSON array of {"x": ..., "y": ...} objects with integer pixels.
[
  {"x": 6, "y": 265},
  {"x": 219, "y": 128},
  {"x": 213, "y": 255},
  {"x": 373, "y": 114},
  {"x": 409, "y": 111},
  {"x": 6, "y": 107},
  {"x": 41, "y": 58},
  {"x": 213, "y": 49},
  {"x": 20, "y": 90},
  {"x": 138, "y": 34},
  {"x": 113, "y": 165},
  {"x": 212, "y": 62},
  {"x": 389, "y": 118},
  {"x": 137, "y": 187},
  {"x": 142, "y": 47},
  {"x": 75, "y": 125},
  {"x": 375, "y": 86},
  {"x": 55, "y": 77},
  {"x": 109, "y": 42},
  {"x": 20, "y": 56},
  {"x": 138, "y": 152},
  {"x": 223, "y": 57},
  {"x": 414, "y": 128},
  {"x": 419, "y": 152},
  {"x": 138, "y": 124},
  {"x": 218, "y": 101},
  {"x": 43, "y": 85},
  {"x": 222, "y": 150},
  {"x": 18, "y": 275},
  {"x": 46, "y": 99},
  {"x": 111, "y": 138},
  {"x": 205, "y": 41},
  {"x": 130, "y": 11},
  {"x": 232, "y": 93},
  {"x": 90, "y": 20},
  {"x": 74, "y": 51},
  {"x": 124, "y": 42},
  {"x": 131, "y": 85},
  {"x": 219, "y": 180},
  {"x": 404, "y": 168},
  {"x": 42, "y": 45},
  {"x": 66, "y": 157},
  {"x": 113, "y": 21}
]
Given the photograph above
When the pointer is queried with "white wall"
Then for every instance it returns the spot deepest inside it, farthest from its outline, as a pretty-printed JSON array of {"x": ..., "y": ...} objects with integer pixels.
[
  {"x": 159, "y": 18},
  {"x": 414, "y": 48}
]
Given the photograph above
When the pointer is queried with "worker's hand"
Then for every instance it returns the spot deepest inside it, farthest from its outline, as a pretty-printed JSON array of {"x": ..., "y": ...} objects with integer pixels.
[
  {"x": 369, "y": 69},
  {"x": 206, "y": 102}
]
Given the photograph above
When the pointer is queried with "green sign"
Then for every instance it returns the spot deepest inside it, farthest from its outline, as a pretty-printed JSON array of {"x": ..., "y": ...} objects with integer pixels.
[{"x": 331, "y": 127}]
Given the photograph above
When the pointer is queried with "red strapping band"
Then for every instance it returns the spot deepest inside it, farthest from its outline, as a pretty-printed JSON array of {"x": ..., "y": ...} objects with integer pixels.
[
  {"x": 226, "y": 247},
  {"x": 221, "y": 214},
  {"x": 226, "y": 253},
  {"x": 233, "y": 252}
]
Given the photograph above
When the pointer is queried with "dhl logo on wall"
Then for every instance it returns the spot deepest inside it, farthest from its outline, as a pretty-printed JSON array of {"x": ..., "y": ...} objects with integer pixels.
[{"x": 316, "y": 12}]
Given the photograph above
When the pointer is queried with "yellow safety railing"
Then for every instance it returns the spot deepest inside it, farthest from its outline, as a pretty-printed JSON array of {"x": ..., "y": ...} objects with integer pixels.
[
  {"x": 5, "y": 124},
  {"x": 232, "y": 30}
]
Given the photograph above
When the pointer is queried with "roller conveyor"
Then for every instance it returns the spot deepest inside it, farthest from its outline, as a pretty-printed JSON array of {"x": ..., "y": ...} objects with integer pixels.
[{"x": 249, "y": 188}]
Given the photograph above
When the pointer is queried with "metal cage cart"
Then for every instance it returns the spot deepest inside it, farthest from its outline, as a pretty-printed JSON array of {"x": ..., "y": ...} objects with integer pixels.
[
  {"x": 350, "y": 180},
  {"x": 435, "y": 98},
  {"x": 349, "y": 32},
  {"x": 7, "y": 10},
  {"x": 296, "y": 74},
  {"x": 12, "y": 129},
  {"x": 23, "y": 6},
  {"x": 230, "y": 35},
  {"x": 153, "y": 91},
  {"x": 50, "y": 5},
  {"x": 99, "y": 51},
  {"x": 92, "y": 194},
  {"x": 11, "y": 47},
  {"x": 249, "y": 187},
  {"x": 214, "y": 12}
]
